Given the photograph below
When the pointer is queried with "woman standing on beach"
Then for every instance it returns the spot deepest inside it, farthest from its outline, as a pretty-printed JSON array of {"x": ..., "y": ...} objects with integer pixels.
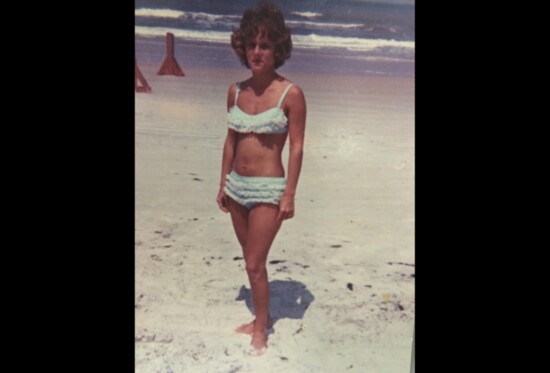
[{"x": 262, "y": 112}]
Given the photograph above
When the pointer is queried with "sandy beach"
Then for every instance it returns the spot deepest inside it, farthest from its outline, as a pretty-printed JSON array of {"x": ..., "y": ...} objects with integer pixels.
[{"x": 341, "y": 272}]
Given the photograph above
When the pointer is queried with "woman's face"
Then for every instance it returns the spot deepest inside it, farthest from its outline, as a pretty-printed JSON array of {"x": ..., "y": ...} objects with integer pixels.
[{"x": 260, "y": 53}]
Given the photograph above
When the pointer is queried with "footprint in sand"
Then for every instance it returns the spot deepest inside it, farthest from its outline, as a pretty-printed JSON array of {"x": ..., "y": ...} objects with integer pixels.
[
  {"x": 145, "y": 338},
  {"x": 283, "y": 269},
  {"x": 164, "y": 235},
  {"x": 401, "y": 263},
  {"x": 138, "y": 300}
]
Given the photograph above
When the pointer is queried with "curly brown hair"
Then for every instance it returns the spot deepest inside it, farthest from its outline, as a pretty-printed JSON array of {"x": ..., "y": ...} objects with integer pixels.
[{"x": 265, "y": 19}]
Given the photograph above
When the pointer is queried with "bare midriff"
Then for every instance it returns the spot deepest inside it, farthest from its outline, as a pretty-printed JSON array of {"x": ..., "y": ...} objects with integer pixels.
[{"x": 259, "y": 155}]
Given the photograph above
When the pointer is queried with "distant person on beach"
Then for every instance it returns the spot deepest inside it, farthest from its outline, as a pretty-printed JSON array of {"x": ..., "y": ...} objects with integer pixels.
[{"x": 263, "y": 111}]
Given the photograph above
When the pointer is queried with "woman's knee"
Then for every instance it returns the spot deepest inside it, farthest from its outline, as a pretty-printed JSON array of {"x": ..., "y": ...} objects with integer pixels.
[{"x": 255, "y": 270}]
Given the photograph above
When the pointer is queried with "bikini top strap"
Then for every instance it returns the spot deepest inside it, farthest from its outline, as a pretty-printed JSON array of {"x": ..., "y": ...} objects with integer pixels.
[
  {"x": 284, "y": 94},
  {"x": 237, "y": 93}
]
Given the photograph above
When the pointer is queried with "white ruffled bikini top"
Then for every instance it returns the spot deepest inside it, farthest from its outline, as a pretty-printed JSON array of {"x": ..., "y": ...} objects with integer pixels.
[{"x": 270, "y": 121}]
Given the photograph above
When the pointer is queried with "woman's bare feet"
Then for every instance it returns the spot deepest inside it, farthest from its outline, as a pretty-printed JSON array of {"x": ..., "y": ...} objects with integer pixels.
[
  {"x": 249, "y": 328},
  {"x": 246, "y": 328},
  {"x": 259, "y": 342}
]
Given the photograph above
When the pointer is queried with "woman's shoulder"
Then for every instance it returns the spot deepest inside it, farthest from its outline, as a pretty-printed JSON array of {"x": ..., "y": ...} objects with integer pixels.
[
  {"x": 294, "y": 96},
  {"x": 233, "y": 89},
  {"x": 231, "y": 93},
  {"x": 295, "y": 91}
]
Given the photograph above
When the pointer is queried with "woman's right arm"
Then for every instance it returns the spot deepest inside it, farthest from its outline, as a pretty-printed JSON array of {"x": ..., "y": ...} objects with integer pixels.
[
  {"x": 227, "y": 163},
  {"x": 228, "y": 153}
]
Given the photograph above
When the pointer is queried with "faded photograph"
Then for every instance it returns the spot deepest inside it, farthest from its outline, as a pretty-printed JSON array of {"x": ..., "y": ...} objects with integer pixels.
[{"x": 274, "y": 174}]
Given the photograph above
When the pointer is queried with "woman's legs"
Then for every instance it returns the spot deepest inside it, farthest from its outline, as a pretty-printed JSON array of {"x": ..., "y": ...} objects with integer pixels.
[
  {"x": 262, "y": 228},
  {"x": 256, "y": 229},
  {"x": 239, "y": 218}
]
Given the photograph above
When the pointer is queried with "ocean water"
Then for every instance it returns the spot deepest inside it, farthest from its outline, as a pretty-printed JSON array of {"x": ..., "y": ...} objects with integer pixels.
[{"x": 329, "y": 36}]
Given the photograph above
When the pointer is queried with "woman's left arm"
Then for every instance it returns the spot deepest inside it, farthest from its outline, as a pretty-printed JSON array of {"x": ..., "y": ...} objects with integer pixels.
[{"x": 296, "y": 114}]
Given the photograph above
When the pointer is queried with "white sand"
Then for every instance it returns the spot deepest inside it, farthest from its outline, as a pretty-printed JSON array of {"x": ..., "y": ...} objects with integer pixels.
[{"x": 354, "y": 224}]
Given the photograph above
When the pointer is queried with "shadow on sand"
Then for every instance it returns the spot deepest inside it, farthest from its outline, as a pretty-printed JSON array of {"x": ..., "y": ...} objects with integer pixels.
[{"x": 288, "y": 299}]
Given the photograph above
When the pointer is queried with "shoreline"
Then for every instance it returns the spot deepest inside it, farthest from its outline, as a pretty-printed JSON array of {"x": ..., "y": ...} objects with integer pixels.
[{"x": 314, "y": 61}]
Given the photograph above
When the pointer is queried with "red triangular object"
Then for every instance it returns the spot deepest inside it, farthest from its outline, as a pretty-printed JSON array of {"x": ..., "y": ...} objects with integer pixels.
[
  {"x": 170, "y": 65},
  {"x": 144, "y": 85}
]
